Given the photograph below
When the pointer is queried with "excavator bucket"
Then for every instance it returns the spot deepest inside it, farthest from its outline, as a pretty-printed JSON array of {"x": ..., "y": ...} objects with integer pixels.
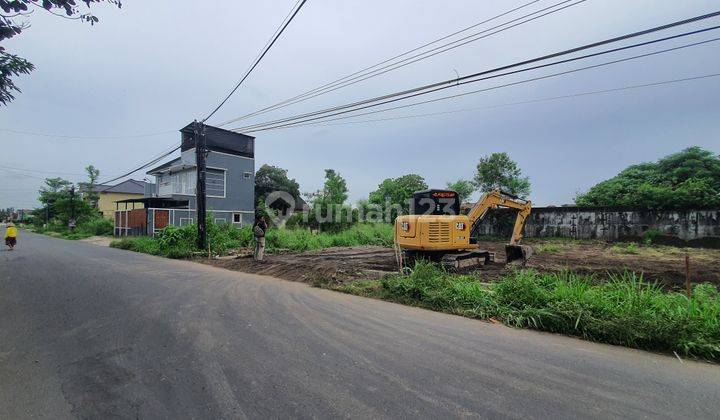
[{"x": 518, "y": 253}]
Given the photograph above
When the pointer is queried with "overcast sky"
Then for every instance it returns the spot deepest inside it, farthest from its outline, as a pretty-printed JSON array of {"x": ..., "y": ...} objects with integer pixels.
[{"x": 155, "y": 66}]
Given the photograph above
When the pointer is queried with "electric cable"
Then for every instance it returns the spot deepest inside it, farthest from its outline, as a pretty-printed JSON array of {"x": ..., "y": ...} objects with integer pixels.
[
  {"x": 526, "y": 102},
  {"x": 257, "y": 61},
  {"x": 300, "y": 123},
  {"x": 363, "y": 74},
  {"x": 37, "y": 134},
  {"x": 152, "y": 162},
  {"x": 457, "y": 81}
]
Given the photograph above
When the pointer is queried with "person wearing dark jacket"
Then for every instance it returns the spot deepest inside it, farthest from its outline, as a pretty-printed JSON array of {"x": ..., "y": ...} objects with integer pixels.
[{"x": 259, "y": 229}]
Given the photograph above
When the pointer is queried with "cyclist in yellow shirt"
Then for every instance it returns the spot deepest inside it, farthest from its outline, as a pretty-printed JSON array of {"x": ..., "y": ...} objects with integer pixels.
[{"x": 11, "y": 236}]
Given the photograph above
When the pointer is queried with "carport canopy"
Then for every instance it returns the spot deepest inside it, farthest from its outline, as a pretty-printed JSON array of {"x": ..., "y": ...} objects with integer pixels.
[{"x": 154, "y": 202}]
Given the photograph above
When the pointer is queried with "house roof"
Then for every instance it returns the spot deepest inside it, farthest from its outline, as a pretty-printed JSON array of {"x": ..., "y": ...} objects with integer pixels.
[
  {"x": 219, "y": 140},
  {"x": 156, "y": 202},
  {"x": 172, "y": 166},
  {"x": 131, "y": 186}
]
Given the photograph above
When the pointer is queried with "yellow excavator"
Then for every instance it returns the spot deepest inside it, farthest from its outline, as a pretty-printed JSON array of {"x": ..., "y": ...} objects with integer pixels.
[{"x": 435, "y": 230}]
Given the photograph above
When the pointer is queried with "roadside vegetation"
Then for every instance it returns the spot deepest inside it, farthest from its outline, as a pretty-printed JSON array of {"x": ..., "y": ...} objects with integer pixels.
[
  {"x": 621, "y": 310},
  {"x": 96, "y": 226},
  {"x": 65, "y": 204},
  {"x": 179, "y": 242},
  {"x": 688, "y": 179}
]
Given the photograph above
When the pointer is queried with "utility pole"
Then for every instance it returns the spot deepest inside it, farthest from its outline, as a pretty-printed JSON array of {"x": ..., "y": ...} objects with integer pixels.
[
  {"x": 200, "y": 196},
  {"x": 72, "y": 208}
]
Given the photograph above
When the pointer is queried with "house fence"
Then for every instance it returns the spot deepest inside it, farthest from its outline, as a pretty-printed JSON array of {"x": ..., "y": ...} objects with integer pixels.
[{"x": 138, "y": 222}]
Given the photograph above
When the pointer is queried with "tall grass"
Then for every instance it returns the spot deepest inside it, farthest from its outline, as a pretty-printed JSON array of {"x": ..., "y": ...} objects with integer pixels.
[
  {"x": 623, "y": 310},
  {"x": 96, "y": 226},
  {"x": 179, "y": 242},
  {"x": 380, "y": 234}
]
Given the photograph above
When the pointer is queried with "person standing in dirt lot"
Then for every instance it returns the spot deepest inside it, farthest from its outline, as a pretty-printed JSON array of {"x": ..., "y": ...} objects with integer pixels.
[
  {"x": 259, "y": 229},
  {"x": 11, "y": 236}
]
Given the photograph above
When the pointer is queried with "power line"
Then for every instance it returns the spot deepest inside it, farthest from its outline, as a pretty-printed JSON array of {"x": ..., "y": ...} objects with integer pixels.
[
  {"x": 457, "y": 81},
  {"x": 257, "y": 61},
  {"x": 20, "y": 174},
  {"x": 527, "y": 102},
  {"x": 454, "y": 82},
  {"x": 363, "y": 74},
  {"x": 152, "y": 162},
  {"x": 278, "y": 29},
  {"x": 32, "y": 133},
  {"x": 3, "y": 166},
  {"x": 304, "y": 123}
]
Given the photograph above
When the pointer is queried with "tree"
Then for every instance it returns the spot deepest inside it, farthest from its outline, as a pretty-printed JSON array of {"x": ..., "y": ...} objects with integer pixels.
[
  {"x": 328, "y": 208},
  {"x": 394, "y": 195},
  {"x": 498, "y": 171},
  {"x": 13, "y": 20},
  {"x": 11, "y": 65},
  {"x": 50, "y": 194},
  {"x": 89, "y": 188},
  {"x": 61, "y": 203},
  {"x": 269, "y": 179},
  {"x": 463, "y": 187},
  {"x": 335, "y": 189},
  {"x": 690, "y": 178}
]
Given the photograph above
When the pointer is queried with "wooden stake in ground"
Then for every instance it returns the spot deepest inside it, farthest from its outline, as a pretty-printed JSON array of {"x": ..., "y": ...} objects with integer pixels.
[{"x": 688, "y": 284}]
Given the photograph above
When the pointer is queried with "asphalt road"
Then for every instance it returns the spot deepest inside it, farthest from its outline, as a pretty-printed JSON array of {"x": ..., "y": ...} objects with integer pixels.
[{"x": 93, "y": 332}]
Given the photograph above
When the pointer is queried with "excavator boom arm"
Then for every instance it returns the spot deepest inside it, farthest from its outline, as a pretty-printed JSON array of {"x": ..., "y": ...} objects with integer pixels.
[{"x": 497, "y": 198}]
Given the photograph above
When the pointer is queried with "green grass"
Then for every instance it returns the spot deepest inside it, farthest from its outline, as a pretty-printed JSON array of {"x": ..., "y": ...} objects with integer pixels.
[
  {"x": 623, "y": 310},
  {"x": 549, "y": 248},
  {"x": 628, "y": 248},
  {"x": 92, "y": 227},
  {"x": 380, "y": 234},
  {"x": 176, "y": 242}
]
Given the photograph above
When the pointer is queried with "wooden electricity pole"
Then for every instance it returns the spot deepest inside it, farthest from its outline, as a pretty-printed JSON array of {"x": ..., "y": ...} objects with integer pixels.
[{"x": 200, "y": 196}]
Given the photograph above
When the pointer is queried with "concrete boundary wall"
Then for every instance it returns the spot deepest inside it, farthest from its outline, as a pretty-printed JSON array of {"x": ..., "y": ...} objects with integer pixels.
[{"x": 672, "y": 227}]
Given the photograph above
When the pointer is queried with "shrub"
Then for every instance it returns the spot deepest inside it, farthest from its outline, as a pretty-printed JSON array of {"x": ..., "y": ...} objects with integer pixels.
[
  {"x": 97, "y": 227},
  {"x": 650, "y": 235},
  {"x": 180, "y": 242},
  {"x": 142, "y": 244}
]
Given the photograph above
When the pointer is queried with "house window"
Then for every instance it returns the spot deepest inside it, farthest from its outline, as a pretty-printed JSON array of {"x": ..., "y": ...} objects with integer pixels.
[
  {"x": 220, "y": 220},
  {"x": 184, "y": 221},
  {"x": 184, "y": 182},
  {"x": 165, "y": 185},
  {"x": 247, "y": 175},
  {"x": 237, "y": 219},
  {"x": 215, "y": 182}
]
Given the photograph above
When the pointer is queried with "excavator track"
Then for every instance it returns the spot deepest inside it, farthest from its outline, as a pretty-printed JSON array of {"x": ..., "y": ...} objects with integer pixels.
[{"x": 466, "y": 260}]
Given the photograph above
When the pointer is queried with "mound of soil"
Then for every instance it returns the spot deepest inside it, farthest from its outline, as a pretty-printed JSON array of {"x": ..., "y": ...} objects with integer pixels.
[{"x": 340, "y": 264}]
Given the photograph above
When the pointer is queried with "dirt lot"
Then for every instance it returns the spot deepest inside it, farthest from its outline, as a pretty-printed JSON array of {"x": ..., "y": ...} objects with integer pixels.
[{"x": 663, "y": 264}]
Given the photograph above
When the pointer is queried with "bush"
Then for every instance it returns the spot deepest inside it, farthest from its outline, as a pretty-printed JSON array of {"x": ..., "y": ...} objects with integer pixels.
[
  {"x": 380, "y": 234},
  {"x": 623, "y": 310},
  {"x": 180, "y": 242},
  {"x": 97, "y": 227},
  {"x": 650, "y": 235},
  {"x": 142, "y": 244}
]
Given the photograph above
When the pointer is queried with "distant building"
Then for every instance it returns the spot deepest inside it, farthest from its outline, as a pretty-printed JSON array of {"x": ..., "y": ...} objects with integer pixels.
[
  {"x": 108, "y": 195},
  {"x": 23, "y": 215},
  {"x": 230, "y": 186}
]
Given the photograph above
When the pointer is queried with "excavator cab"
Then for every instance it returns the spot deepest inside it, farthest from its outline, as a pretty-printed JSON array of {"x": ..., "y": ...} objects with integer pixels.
[{"x": 435, "y": 202}]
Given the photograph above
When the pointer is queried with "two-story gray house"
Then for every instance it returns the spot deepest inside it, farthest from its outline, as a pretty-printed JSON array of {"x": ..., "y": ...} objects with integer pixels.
[{"x": 230, "y": 185}]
